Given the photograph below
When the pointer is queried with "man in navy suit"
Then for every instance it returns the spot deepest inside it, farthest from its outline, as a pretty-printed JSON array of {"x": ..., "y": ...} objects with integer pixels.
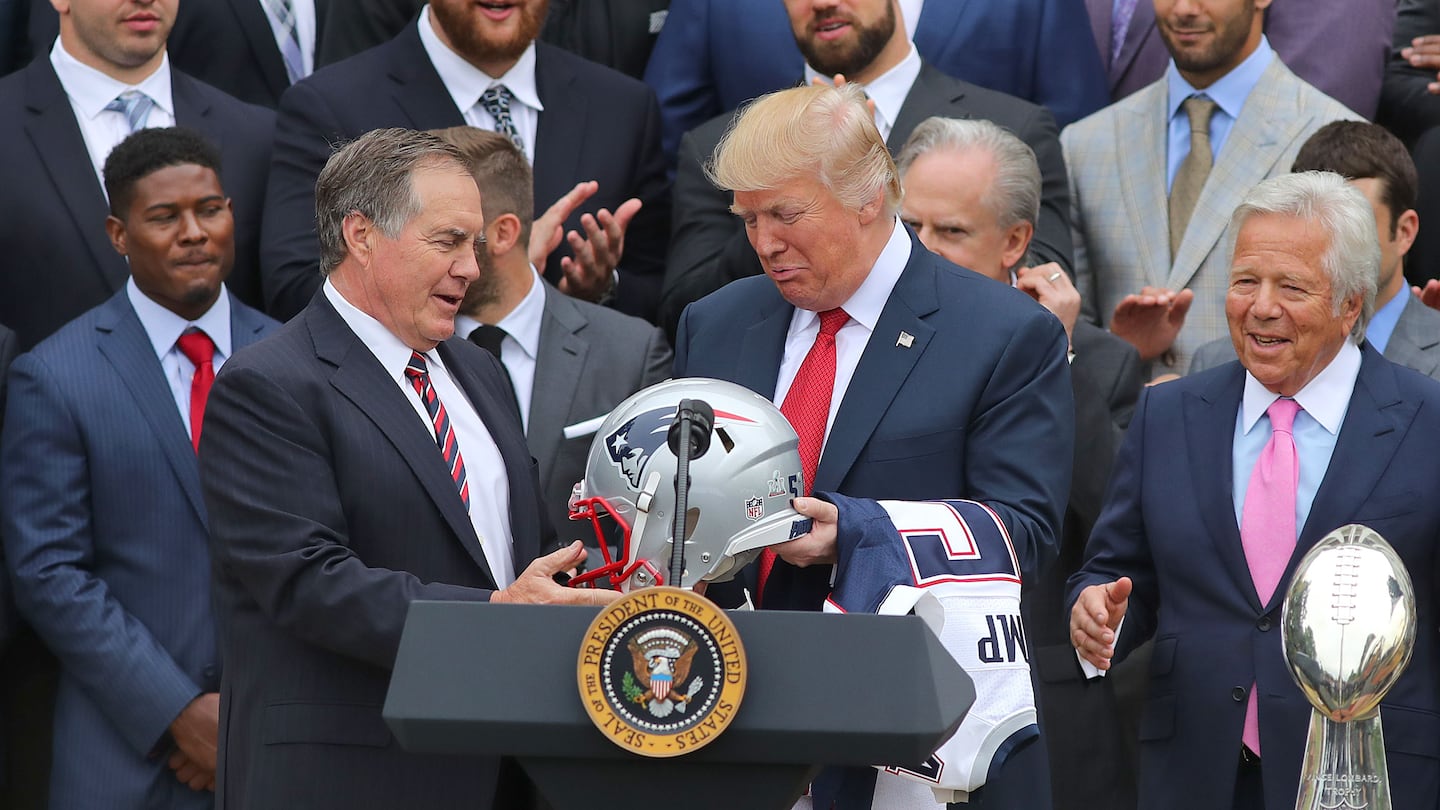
[
  {"x": 1213, "y": 503},
  {"x": 945, "y": 384},
  {"x": 714, "y": 55},
  {"x": 462, "y": 63},
  {"x": 104, "y": 527},
  {"x": 359, "y": 460},
  {"x": 60, "y": 117}
]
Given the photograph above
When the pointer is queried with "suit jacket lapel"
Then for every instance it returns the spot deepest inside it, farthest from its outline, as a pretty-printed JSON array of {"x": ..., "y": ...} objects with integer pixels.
[
  {"x": 192, "y": 110},
  {"x": 123, "y": 342},
  {"x": 420, "y": 92},
  {"x": 926, "y": 95},
  {"x": 1267, "y": 122},
  {"x": 361, "y": 379},
  {"x": 50, "y": 123},
  {"x": 1141, "y": 24},
  {"x": 883, "y": 366},
  {"x": 560, "y": 361},
  {"x": 1143, "y": 188},
  {"x": 1210, "y": 437},
  {"x": 261, "y": 39},
  {"x": 1415, "y": 343},
  {"x": 560, "y": 131},
  {"x": 1374, "y": 426},
  {"x": 762, "y": 346},
  {"x": 1101, "y": 24}
]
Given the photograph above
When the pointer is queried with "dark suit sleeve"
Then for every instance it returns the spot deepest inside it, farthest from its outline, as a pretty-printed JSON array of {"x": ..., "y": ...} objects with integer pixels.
[
  {"x": 1069, "y": 77},
  {"x": 1052, "y": 234},
  {"x": 278, "y": 527},
  {"x": 306, "y": 133},
  {"x": 1129, "y": 379},
  {"x": 642, "y": 267},
  {"x": 1118, "y": 546},
  {"x": 49, "y": 540},
  {"x": 7, "y": 605},
  {"x": 679, "y": 72},
  {"x": 658, "y": 360},
  {"x": 1406, "y": 107}
]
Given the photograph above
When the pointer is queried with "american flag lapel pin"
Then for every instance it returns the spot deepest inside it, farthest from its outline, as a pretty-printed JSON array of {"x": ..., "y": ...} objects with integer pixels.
[{"x": 906, "y": 340}]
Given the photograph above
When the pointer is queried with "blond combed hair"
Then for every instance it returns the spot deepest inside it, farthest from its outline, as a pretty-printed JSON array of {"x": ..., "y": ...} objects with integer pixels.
[{"x": 817, "y": 131}]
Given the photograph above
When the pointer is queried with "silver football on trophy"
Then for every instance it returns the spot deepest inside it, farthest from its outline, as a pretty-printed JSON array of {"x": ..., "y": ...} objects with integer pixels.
[{"x": 1348, "y": 632}]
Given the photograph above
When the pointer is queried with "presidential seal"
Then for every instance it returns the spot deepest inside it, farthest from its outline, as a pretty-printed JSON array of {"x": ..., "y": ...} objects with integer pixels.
[{"x": 661, "y": 672}]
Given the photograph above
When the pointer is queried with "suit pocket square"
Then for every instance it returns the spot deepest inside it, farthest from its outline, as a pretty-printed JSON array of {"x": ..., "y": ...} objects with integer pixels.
[{"x": 586, "y": 428}]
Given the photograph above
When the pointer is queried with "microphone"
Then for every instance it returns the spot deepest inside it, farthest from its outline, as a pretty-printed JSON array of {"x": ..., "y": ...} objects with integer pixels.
[{"x": 702, "y": 425}]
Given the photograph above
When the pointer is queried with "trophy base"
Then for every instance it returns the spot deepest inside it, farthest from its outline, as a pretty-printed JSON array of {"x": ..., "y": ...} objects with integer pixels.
[{"x": 1344, "y": 766}]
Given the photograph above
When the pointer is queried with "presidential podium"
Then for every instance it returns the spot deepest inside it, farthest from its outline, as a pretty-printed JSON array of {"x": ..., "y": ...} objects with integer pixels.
[{"x": 823, "y": 689}]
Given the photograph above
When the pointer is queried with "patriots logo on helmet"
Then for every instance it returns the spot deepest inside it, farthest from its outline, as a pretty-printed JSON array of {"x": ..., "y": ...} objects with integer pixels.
[{"x": 631, "y": 445}]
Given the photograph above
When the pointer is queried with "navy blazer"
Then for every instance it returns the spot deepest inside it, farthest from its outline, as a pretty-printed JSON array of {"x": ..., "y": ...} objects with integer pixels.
[
  {"x": 104, "y": 531},
  {"x": 598, "y": 124},
  {"x": 331, "y": 511},
  {"x": 714, "y": 55},
  {"x": 1169, "y": 524},
  {"x": 58, "y": 259}
]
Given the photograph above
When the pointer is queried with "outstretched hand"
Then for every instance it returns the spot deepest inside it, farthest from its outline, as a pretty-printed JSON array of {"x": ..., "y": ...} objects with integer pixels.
[
  {"x": 536, "y": 585},
  {"x": 1151, "y": 319},
  {"x": 1095, "y": 619}
]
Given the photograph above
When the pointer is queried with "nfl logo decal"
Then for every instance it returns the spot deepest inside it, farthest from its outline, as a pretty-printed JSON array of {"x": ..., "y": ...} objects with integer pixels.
[{"x": 754, "y": 508}]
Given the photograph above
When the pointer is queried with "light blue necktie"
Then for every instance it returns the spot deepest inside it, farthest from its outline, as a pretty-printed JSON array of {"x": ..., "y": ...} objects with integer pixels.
[
  {"x": 288, "y": 38},
  {"x": 135, "y": 106}
]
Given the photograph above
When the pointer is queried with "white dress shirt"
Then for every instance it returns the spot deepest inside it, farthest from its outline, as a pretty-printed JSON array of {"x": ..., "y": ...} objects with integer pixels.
[
  {"x": 304, "y": 11},
  {"x": 165, "y": 327},
  {"x": 89, "y": 91},
  {"x": 484, "y": 466},
  {"x": 864, "y": 308},
  {"x": 466, "y": 83},
  {"x": 888, "y": 90},
  {"x": 521, "y": 346}
]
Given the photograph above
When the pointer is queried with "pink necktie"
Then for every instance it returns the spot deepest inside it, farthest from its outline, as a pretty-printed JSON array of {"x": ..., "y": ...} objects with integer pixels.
[{"x": 1267, "y": 523}]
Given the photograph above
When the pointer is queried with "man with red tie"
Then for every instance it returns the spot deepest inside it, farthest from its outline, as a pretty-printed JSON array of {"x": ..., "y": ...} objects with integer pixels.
[
  {"x": 905, "y": 376},
  {"x": 1229, "y": 476},
  {"x": 103, "y": 521}
]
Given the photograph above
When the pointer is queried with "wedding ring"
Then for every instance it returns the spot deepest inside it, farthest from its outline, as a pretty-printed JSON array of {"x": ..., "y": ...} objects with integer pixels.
[{"x": 1051, "y": 278}]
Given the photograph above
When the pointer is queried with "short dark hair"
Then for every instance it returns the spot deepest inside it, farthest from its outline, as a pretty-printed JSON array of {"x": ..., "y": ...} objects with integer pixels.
[
  {"x": 1357, "y": 150},
  {"x": 149, "y": 151},
  {"x": 507, "y": 184}
]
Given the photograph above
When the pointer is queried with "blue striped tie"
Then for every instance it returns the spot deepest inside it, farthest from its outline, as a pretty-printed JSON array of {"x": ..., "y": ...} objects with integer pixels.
[
  {"x": 419, "y": 375},
  {"x": 135, "y": 106},
  {"x": 287, "y": 37}
]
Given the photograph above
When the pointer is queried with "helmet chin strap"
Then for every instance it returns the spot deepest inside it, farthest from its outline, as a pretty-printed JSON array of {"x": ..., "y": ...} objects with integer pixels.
[{"x": 643, "y": 501}]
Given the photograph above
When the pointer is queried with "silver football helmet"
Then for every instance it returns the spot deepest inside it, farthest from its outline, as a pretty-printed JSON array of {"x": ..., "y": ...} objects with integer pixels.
[{"x": 740, "y": 489}]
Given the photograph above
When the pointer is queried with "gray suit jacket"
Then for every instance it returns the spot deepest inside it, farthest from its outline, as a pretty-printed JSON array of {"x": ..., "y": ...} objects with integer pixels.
[
  {"x": 1118, "y": 196},
  {"x": 590, "y": 359},
  {"x": 1415, "y": 343}
]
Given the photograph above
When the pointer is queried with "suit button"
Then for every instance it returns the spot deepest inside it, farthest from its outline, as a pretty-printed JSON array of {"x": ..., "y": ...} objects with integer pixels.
[
  {"x": 209, "y": 672},
  {"x": 1238, "y": 694},
  {"x": 1263, "y": 624}
]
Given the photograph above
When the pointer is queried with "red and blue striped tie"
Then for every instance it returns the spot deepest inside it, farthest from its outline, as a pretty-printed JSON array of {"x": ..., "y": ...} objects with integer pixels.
[{"x": 419, "y": 375}]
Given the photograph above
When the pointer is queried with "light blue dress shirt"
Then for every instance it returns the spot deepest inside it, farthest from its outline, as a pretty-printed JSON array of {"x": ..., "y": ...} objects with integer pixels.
[
  {"x": 164, "y": 328},
  {"x": 1383, "y": 322},
  {"x": 1228, "y": 93}
]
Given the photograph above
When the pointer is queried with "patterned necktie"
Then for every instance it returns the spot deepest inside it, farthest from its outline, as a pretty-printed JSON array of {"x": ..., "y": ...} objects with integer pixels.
[
  {"x": 496, "y": 101},
  {"x": 135, "y": 106},
  {"x": 1120, "y": 15},
  {"x": 488, "y": 338},
  {"x": 419, "y": 375},
  {"x": 199, "y": 349},
  {"x": 1190, "y": 177},
  {"x": 807, "y": 406},
  {"x": 287, "y": 37},
  {"x": 1267, "y": 523}
]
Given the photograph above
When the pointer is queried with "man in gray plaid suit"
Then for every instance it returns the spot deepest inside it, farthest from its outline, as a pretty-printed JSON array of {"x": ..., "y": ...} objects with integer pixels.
[{"x": 1159, "y": 280}]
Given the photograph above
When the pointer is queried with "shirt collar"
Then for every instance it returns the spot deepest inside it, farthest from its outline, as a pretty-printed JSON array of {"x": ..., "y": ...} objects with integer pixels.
[
  {"x": 392, "y": 352},
  {"x": 466, "y": 83},
  {"x": 90, "y": 90},
  {"x": 1229, "y": 91},
  {"x": 866, "y": 303},
  {"x": 165, "y": 327},
  {"x": 1383, "y": 322},
  {"x": 888, "y": 90},
  {"x": 1325, "y": 398},
  {"x": 522, "y": 324}
]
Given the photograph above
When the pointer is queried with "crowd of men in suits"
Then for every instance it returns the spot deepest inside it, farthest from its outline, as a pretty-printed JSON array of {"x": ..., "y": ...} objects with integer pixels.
[{"x": 390, "y": 258}]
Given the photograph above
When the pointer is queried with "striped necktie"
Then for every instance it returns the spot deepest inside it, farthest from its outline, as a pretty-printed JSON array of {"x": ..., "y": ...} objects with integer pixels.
[
  {"x": 287, "y": 37},
  {"x": 419, "y": 375},
  {"x": 135, "y": 106}
]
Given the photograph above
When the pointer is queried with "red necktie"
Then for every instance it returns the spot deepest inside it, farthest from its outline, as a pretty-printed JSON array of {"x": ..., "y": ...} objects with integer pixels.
[
  {"x": 199, "y": 349},
  {"x": 1267, "y": 524},
  {"x": 807, "y": 406},
  {"x": 419, "y": 373}
]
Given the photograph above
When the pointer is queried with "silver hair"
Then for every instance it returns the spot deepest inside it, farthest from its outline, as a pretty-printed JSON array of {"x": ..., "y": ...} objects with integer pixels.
[
  {"x": 1015, "y": 196},
  {"x": 371, "y": 176},
  {"x": 1352, "y": 257}
]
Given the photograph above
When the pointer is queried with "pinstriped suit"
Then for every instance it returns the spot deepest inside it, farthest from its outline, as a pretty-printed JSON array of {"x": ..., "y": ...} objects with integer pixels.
[
  {"x": 104, "y": 531},
  {"x": 1415, "y": 343},
  {"x": 1118, "y": 196}
]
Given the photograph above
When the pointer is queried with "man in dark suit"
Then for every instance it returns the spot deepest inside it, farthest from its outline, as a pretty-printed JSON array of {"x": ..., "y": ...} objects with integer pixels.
[
  {"x": 56, "y": 130},
  {"x": 251, "y": 49},
  {"x": 576, "y": 121},
  {"x": 104, "y": 527},
  {"x": 1310, "y": 431},
  {"x": 355, "y": 462},
  {"x": 972, "y": 195},
  {"x": 919, "y": 380},
  {"x": 569, "y": 362},
  {"x": 708, "y": 249},
  {"x": 8, "y": 350}
]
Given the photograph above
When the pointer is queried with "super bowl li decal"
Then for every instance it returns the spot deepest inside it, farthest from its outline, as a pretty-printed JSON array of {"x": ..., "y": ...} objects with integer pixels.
[{"x": 662, "y": 672}]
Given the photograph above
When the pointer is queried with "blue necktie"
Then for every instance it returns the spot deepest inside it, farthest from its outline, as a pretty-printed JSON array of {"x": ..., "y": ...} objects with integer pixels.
[
  {"x": 496, "y": 101},
  {"x": 287, "y": 37},
  {"x": 135, "y": 106}
]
